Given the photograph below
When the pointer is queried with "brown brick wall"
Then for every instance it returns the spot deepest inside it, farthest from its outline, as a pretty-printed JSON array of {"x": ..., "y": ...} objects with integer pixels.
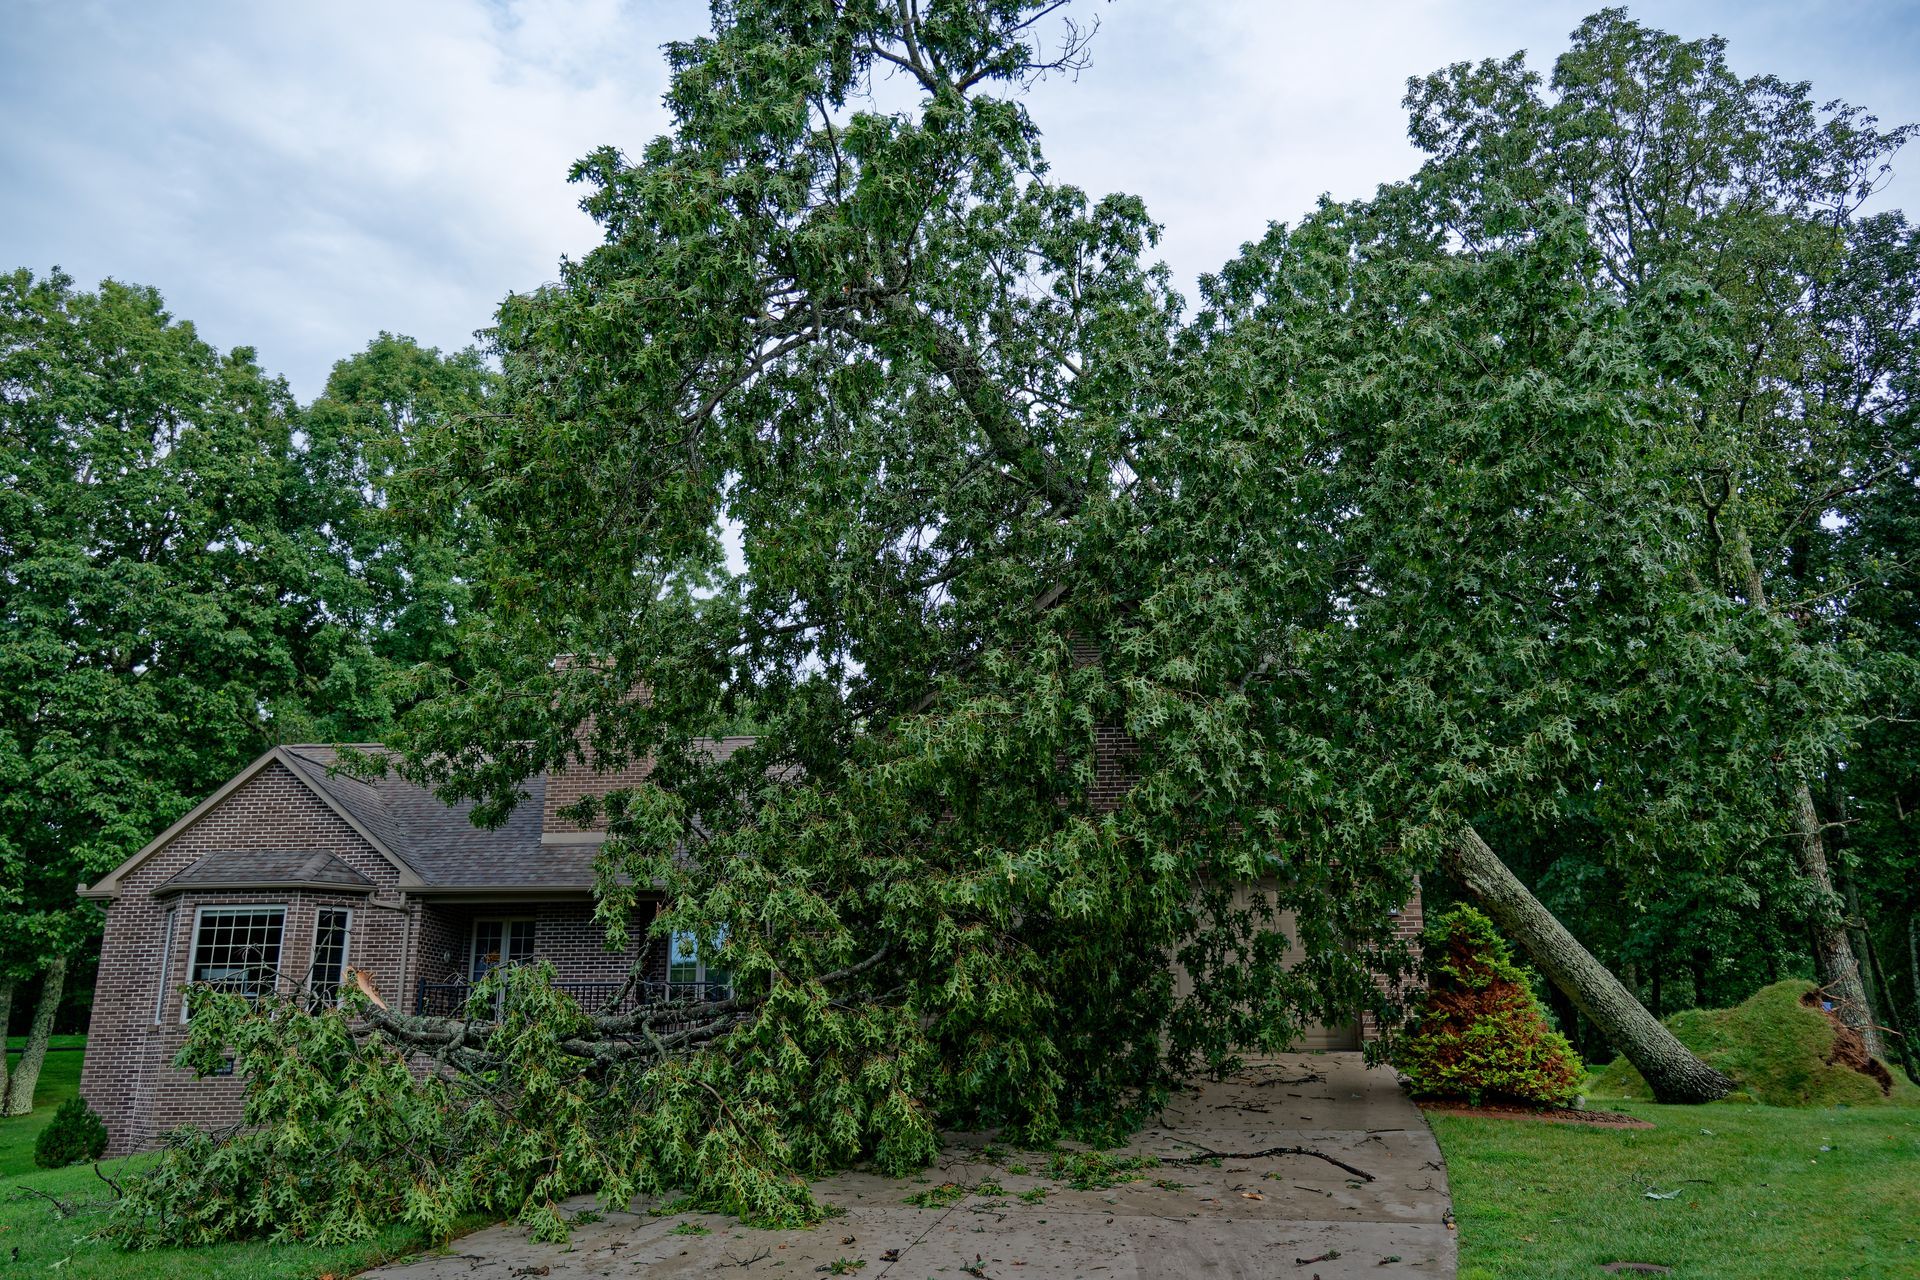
[
  {"x": 579, "y": 780},
  {"x": 128, "y": 1077},
  {"x": 564, "y": 933},
  {"x": 1406, "y": 926}
]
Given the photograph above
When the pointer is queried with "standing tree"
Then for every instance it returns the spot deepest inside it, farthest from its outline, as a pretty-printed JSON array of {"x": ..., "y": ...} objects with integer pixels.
[
  {"x": 1724, "y": 215},
  {"x": 184, "y": 581},
  {"x": 144, "y": 571}
]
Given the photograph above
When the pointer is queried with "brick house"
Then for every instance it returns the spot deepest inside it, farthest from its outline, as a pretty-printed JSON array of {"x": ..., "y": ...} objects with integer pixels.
[{"x": 290, "y": 874}]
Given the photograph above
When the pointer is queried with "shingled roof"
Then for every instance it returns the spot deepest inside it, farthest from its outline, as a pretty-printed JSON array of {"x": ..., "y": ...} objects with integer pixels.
[
  {"x": 434, "y": 845},
  {"x": 267, "y": 868},
  {"x": 438, "y": 840}
]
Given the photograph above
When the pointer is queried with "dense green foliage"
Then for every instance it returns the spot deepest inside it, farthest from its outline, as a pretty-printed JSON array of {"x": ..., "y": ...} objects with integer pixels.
[
  {"x": 192, "y": 568},
  {"x": 1778, "y": 321},
  {"x": 1752, "y": 1193},
  {"x": 1400, "y": 532},
  {"x": 1478, "y": 1032},
  {"x": 75, "y": 1133},
  {"x": 344, "y": 1138},
  {"x": 53, "y": 1216},
  {"x": 1562, "y": 493},
  {"x": 914, "y": 374},
  {"x": 1779, "y": 1048}
]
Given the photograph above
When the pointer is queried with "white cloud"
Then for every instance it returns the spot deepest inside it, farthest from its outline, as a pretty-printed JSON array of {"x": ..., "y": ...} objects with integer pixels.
[{"x": 298, "y": 177}]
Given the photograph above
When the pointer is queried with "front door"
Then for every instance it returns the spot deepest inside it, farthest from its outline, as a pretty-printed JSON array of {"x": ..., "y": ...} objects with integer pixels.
[{"x": 498, "y": 942}]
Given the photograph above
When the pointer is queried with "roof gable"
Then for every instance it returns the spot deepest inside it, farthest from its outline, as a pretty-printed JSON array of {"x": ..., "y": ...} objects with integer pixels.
[
  {"x": 433, "y": 845},
  {"x": 266, "y": 868},
  {"x": 108, "y": 886}
]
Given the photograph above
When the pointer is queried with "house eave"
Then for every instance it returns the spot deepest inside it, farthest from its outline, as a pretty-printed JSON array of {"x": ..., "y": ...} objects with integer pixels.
[
  {"x": 170, "y": 889},
  {"x": 548, "y": 892}
]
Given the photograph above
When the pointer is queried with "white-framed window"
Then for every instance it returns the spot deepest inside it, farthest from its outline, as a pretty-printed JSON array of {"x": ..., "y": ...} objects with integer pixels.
[
  {"x": 168, "y": 928},
  {"x": 498, "y": 941},
  {"x": 686, "y": 966},
  {"x": 237, "y": 949},
  {"x": 332, "y": 929}
]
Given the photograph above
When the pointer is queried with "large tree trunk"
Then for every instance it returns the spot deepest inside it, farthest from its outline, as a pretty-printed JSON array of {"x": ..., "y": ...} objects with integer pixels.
[
  {"x": 26, "y": 1076},
  {"x": 1834, "y": 963},
  {"x": 6, "y": 1020},
  {"x": 1674, "y": 1074}
]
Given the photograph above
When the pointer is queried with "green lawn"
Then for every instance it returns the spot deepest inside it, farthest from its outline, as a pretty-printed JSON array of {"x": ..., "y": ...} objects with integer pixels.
[
  {"x": 37, "y": 1240},
  {"x": 1763, "y": 1192},
  {"x": 59, "y": 1080}
]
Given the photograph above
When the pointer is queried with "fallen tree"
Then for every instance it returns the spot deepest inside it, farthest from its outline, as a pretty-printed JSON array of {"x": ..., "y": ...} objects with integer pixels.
[
  {"x": 358, "y": 1117},
  {"x": 1077, "y": 640}
]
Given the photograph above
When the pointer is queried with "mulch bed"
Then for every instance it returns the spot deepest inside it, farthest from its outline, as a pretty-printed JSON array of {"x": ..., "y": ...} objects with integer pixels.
[{"x": 1551, "y": 1115}]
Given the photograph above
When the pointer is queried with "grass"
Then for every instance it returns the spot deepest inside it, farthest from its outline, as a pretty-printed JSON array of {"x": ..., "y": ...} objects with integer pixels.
[
  {"x": 55, "y": 1044},
  {"x": 59, "y": 1080},
  {"x": 39, "y": 1237},
  {"x": 1763, "y": 1192}
]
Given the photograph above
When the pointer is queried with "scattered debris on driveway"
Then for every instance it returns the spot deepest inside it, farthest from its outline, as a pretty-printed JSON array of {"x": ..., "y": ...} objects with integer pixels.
[{"x": 1349, "y": 1183}]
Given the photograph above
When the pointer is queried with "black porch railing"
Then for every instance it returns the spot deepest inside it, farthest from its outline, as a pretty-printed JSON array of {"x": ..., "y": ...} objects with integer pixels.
[{"x": 449, "y": 999}]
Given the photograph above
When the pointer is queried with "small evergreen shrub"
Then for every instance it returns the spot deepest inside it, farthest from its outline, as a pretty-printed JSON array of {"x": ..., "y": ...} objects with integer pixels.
[
  {"x": 1480, "y": 1033},
  {"x": 76, "y": 1134}
]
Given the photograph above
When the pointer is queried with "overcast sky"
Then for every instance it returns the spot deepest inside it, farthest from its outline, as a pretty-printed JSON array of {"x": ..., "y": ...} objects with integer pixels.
[{"x": 300, "y": 176}]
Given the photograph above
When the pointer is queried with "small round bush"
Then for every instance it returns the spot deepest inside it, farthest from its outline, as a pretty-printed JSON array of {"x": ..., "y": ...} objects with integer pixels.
[
  {"x": 76, "y": 1134},
  {"x": 1479, "y": 1033}
]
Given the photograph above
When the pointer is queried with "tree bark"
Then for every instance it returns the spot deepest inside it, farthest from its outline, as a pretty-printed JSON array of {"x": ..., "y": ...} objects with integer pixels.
[
  {"x": 26, "y": 1075},
  {"x": 1834, "y": 964},
  {"x": 1913, "y": 957},
  {"x": 1903, "y": 1036},
  {"x": 1671, "y": 1070},
  {"x": 6, "y": 1020}
]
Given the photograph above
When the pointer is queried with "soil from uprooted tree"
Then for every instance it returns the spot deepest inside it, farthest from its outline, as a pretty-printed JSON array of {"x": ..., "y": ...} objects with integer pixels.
[
  {"x": 1849, "y": 1047},
  {"x": 1550, "y": 1115}
]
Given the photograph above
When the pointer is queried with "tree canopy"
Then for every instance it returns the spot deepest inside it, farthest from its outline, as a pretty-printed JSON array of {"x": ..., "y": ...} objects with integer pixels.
[{"x": 192, "y": 568}]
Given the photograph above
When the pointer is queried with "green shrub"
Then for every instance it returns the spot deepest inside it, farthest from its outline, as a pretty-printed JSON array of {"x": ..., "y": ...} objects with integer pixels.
[
  {"x": 76, "y": 1134},
  {"x": 1479, "y": 1033}
]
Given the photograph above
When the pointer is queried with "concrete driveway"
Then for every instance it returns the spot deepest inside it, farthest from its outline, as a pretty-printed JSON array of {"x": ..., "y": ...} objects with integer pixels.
[{"x": 1280, "y": 1215}]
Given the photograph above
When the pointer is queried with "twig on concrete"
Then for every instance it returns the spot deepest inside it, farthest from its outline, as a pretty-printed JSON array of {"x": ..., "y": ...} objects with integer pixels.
[{"x": 1203, "y": 1156}]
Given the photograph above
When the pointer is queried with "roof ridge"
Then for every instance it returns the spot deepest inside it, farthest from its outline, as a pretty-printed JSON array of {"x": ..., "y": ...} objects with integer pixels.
[
  {"x": 332, "y": 771},
  {"x": 381, "y": 825}
]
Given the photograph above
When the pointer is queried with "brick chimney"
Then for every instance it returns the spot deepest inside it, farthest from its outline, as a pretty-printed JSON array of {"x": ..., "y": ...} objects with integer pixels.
[{"x": 581, "y": 778}]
